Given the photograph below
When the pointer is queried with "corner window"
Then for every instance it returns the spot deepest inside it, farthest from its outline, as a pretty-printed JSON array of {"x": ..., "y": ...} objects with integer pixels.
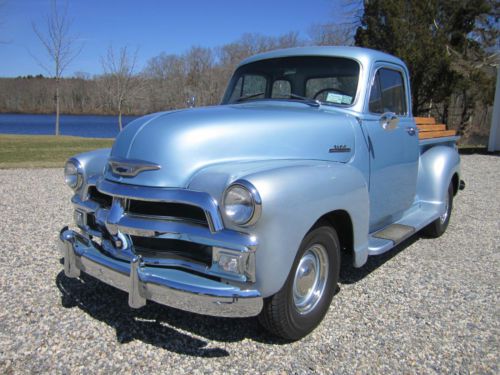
[{"x": 388, "y": 92}]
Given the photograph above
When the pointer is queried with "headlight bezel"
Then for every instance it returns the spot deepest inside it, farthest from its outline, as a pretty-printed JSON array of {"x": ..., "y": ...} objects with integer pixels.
[
  {"x": 255, "y": 199},
  {"x": 78, "y": 174}
]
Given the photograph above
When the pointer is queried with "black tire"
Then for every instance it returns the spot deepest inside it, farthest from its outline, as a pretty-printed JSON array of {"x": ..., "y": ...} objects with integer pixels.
[
  {"x": 438, "y": 226},
  {"x": 280, "y": 314}
]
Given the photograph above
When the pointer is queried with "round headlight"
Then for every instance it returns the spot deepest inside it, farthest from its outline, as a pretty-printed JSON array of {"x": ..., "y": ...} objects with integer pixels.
[
  {"x": 72, "y": 174},
  {"x": 242, "y": 203}
]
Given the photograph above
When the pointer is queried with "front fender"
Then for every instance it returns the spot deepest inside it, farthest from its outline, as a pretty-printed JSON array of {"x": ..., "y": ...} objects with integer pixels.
[
  {"x": 92, "y": 163},
  {"x": 295, "y": 194}
]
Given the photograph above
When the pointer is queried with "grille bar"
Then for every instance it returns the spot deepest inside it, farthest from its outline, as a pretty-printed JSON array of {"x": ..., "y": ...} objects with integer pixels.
[{"x": 153, "y": 209}]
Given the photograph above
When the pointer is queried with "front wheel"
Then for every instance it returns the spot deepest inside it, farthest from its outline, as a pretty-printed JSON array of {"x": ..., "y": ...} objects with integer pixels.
[
  {"x": 303, "y": 301},
  {"x": 438, "y": 226}
]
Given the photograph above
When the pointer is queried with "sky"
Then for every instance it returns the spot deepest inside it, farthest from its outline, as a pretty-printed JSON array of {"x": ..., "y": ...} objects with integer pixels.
[{"x": 151, "y": 26}]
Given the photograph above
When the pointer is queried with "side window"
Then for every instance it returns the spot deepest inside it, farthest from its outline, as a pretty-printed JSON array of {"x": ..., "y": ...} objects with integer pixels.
[
  {"x": 281, "y": 89},
  {"x": 249, "y": 84},
  {"x": 388, "y": 92}
]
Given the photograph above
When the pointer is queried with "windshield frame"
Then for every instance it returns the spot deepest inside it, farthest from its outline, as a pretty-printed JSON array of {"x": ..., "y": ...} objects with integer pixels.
[{"x": 238, "y": 73}]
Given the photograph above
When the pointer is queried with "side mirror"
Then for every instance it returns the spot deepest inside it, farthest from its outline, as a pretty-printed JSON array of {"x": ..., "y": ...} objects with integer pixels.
[{"x": 389, "y": 121}]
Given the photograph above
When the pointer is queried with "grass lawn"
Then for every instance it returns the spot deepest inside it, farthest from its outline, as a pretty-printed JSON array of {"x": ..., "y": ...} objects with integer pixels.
[{"x": 39, "y": 151}]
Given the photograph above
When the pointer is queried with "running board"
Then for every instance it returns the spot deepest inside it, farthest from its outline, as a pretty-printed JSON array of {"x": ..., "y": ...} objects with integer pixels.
[
  {"x": 416, "y": 218},
  {"x": 388, "y": 237}
]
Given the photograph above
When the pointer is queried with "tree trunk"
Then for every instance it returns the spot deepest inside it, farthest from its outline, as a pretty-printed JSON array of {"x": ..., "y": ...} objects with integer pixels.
[
  {"x": 57, "y": 107},
  {"x": 120, "y": 115}
]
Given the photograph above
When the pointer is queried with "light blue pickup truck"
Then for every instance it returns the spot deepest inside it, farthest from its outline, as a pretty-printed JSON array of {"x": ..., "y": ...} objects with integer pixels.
[{"x": 246, "y": 208}]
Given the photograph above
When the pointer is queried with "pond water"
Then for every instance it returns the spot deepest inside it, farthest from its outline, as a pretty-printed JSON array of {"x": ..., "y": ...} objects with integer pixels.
[{"x": 77, "y": 125}]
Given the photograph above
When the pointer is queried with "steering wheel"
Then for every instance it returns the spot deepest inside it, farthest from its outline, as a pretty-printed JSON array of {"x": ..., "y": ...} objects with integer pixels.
[{"x": 330, "y": 89}]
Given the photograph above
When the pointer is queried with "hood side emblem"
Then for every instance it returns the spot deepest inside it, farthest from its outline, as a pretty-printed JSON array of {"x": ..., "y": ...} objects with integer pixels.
[
  {"x": 340, "y": 148},
  {"x": 130, "y": 167}
]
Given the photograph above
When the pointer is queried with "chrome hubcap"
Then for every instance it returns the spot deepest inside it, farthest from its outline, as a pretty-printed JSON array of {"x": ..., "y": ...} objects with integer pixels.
[
  {"x": 310, "y": 279},
  {"x": 444, "y": 216}
]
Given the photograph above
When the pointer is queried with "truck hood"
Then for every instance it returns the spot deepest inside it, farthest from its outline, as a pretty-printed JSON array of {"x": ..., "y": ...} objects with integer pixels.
[{"x": 186, "y": 141}]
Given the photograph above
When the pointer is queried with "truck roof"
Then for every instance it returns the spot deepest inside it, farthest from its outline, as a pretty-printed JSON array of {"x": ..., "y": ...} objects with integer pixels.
[{"x": 363, "y": 55}]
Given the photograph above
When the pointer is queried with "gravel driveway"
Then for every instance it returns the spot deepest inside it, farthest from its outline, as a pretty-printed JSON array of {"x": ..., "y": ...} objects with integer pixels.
[{"x": 429, "y": 306}]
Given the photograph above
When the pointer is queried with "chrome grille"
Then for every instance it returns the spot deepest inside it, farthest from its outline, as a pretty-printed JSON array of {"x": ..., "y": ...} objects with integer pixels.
[{"x": 153, "y": 209}]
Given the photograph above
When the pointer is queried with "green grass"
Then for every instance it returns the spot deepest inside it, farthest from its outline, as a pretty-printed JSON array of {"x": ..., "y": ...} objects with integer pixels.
[{"x": 42, "y": 151}]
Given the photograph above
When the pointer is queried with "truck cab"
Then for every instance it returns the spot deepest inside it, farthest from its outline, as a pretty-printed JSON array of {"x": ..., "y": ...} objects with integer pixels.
[{"x": 245, "y": 208}]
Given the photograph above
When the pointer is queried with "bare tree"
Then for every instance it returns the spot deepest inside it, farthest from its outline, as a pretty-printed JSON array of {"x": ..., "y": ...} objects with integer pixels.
[
  {"x": 331, "y": 34},
  {"x": 120, "y": 85},
  {"x": 60, "y": 46},
  {"x": 347, "y": 15}
]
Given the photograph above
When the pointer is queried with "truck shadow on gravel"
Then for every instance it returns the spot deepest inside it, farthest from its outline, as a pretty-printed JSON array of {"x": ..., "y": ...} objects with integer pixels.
[
  {"x": 350, "y": 275},
  {"x": 164, "y": 327},
  {"x": 179, "y": 331}
]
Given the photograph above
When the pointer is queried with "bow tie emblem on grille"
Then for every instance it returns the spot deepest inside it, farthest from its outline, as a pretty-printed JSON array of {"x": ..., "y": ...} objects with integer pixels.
[{"x": 131, "y": 167}]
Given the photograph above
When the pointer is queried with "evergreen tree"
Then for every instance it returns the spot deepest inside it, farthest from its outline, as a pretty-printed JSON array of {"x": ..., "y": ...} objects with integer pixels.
[{"x": 438, "y": 40}]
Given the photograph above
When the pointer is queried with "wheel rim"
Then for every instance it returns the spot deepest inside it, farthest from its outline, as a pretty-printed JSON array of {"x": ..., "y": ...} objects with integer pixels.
[
  {"x": 310, "y": 278},
  {"x": 444, "y": 216}
]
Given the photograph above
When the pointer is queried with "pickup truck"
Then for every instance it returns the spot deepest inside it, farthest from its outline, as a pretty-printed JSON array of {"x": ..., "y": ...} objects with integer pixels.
[{"x": 246, "y": 208}]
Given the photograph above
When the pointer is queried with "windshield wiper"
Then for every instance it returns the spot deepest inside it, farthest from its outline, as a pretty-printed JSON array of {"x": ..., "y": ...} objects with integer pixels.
[
  {"x": 242, "y": 98},
  {"x": 309, "y": 101}
]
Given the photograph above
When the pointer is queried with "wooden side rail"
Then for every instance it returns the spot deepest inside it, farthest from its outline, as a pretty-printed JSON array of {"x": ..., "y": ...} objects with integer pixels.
[{"x": 429, "y": 129}]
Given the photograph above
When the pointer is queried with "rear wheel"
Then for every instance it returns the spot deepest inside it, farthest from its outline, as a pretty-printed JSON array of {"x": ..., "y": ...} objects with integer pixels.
[
  {"x": 438, "y": 226},
  {"x": 301, "y": 304}
]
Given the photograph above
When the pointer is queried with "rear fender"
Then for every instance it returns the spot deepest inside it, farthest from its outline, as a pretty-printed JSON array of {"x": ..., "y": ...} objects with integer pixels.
[{"x": 436, "y": 168}]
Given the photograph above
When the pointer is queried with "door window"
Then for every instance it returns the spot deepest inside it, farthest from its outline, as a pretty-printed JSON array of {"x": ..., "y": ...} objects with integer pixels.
[{"x": 388, "y": 92}]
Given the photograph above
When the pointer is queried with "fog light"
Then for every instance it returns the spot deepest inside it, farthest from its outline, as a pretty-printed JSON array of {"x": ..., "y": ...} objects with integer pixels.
[
  {"x": 229, "y": 263},
  {"x": 79, "y": 218}
]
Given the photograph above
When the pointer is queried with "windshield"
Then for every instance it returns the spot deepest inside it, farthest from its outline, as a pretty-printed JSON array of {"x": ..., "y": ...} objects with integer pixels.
[{"x": 329, "y": 80}]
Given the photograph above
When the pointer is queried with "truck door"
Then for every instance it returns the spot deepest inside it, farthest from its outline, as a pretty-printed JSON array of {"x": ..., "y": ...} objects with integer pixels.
[{"x": 393, "y": 144}]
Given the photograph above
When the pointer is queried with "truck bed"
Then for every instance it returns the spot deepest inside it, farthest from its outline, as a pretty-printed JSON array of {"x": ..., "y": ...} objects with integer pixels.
[{"x": 428, "y": 129}]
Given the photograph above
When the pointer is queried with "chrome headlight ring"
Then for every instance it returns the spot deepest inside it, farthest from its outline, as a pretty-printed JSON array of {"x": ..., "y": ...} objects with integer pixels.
[
  {"x": 242, "y": 204},
  {"x": 73, "y": 174}
]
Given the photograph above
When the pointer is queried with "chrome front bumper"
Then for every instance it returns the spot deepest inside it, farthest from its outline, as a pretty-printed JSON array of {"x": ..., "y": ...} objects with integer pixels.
[{"x": 167, "y": 286}]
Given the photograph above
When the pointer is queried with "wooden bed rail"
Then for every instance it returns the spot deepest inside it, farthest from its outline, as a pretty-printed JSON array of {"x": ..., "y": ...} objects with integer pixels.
[{"x": 429, "y": 129}]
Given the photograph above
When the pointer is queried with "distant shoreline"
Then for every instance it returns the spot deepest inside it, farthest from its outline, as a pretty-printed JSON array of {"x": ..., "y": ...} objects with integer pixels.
[{"x": 74, "y": 114}]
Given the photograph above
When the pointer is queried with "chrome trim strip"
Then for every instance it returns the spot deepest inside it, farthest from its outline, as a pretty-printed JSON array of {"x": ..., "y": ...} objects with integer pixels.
[
  {"x": 173, "y": 229},
  {"x": 152, "y": 194},
  {"x": 170, "y": 287},
  {"x": 80, "y": 172},
  {"x": 86, "y": 206},
  {"x": 193, "y": 233}
]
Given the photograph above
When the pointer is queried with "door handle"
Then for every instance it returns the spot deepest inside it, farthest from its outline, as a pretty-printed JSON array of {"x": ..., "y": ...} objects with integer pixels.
[{"x": 411, "y": 130}]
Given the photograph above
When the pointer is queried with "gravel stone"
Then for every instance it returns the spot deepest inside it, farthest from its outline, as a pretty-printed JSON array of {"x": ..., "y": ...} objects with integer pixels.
[{"x": 429, "y": 306}]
